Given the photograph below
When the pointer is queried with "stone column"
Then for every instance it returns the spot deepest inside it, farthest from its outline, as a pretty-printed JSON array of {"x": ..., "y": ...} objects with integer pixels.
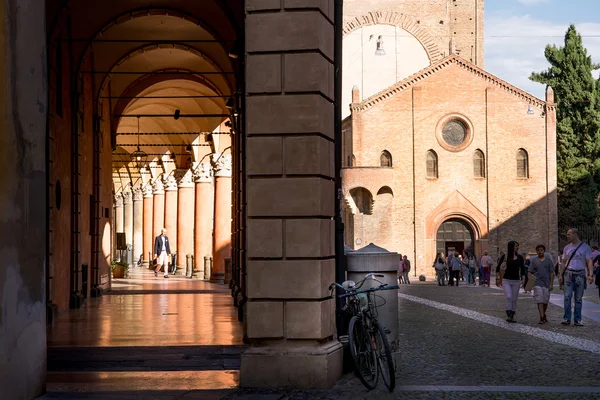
[
  {"x": 171, "y": 210},
  {"x": 290, "y": 321},
  {"x": 117, "y": 223},
  {"x": 128, "y": 214},
  {"x": 203, "y": 215},
  {"x": 185, "y": 217},
  {"x": 222, "y": 220},
  {"x": 158, "y": 212},
  {"x": 147, "y": 233},
  {"x": 138, "y": 223}
]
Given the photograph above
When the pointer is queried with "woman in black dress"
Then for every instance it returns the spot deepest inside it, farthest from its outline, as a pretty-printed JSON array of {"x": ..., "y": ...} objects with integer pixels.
[{"x": 509, "y": 278}]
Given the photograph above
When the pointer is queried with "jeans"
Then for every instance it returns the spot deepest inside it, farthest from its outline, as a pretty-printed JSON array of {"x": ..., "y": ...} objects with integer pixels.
[
  {"x": 485, "y": 272},
  {"x": 441, "y": 277},
  {"x": 454, "y": 275},
  {"x": 573, "y": 283},
  {"x": 511, "y": 292},
  {"x": 405, "y": 275}
]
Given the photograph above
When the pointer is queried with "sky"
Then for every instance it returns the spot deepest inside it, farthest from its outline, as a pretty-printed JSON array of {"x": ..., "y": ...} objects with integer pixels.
[{"x": 517, "y": 32}]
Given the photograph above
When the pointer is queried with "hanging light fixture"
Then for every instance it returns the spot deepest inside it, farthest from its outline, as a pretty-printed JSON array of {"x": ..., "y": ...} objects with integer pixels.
[
  {"x": 530, "y": 110},
  {"x": 138, "y": 157}
]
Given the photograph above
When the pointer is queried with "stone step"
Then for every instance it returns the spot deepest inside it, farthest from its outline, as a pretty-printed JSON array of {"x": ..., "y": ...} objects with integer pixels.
[{"x": 146, "y": 358}]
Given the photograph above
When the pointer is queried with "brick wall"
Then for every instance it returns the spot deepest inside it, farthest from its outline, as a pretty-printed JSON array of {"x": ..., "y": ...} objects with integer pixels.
[
  {"x": 439, "y": 19},
  {"x": 405, "y": 124}
]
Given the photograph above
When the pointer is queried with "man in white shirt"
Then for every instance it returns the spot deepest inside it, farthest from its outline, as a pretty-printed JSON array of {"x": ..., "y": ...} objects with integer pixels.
[
  {"x": 162, "y": 251},
  {"x": 577, "y": 256}
]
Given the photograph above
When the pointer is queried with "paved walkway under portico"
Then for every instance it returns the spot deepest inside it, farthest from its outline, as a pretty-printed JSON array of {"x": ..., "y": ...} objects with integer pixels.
[{"x": 455, "y": 344}]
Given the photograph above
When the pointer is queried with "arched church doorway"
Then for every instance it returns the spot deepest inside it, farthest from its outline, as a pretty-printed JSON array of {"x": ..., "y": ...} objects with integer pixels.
[{"x": 455, "y": 235}]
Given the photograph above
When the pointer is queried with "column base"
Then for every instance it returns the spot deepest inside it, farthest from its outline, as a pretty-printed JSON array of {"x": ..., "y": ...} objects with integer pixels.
[
  {"x": 219, "y": 277},
  {"x": 302, "y": 367}
]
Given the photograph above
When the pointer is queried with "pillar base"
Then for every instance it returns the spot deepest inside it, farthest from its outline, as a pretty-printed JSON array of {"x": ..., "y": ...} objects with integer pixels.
[
  {"x": 219, "y": 277},
  {"x": 302, "y": 367}
]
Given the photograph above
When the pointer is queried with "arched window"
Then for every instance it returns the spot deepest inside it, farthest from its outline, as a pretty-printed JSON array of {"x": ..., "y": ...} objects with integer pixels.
[
  {"x": 432, "y": 164},
  {"x": 363, "y": 199},
  {"x": 479, "y": 164},
  {"x": 385, "y": 160},
  {"x": 522, "y": 164}
]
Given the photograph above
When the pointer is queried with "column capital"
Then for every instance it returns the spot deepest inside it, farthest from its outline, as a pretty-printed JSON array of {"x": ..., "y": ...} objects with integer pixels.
[
  {"x": 138, "y": 194},
  {"x": 157, "y": 186},
  {"x": 147, "y": 189},
  {"x": 222, "y": 165},
  {"x": 203, "y": 173},
  {"x": 127, "y": 194},
  {"x": 118, "y": 199},
  {"x": 184, "y": 178},
  {"x": 170, "y": 182}
]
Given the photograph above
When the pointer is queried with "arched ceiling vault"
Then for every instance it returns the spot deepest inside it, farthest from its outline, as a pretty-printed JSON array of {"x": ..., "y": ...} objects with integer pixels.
[{"x": 154, "y": 60}]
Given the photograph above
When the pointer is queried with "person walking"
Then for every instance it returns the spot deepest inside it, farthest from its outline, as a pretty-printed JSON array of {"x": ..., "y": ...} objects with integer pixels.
[
  {"x": 486, "y": 265},
  {"x": 542, "y": 269},
  {"x": 572, "y": 275},
  {"x": 440, "y": 269},
  {"x": 524, "y": 273},
  {"x": 162, "y": 251},
  {"x": 509, "y": 278},
  {"x": 406, "y": 270},
  {"x": 465, "y": 270},
  {"x": 401, "y": 270},
  {"x": 472, "y": 265},
  {"x": 455, "y": 265}
]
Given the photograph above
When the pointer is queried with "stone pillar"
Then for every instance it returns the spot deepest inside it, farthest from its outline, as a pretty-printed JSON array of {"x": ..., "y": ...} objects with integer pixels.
[
  {"x": 158, "y": 212},
  {"x": 138, "y": 223},
  {"x": 290, "y": 322},
  {"x": 185, "y": 217},
  {"x": 119, "y": 219},
  {"x": 171, "y": 210},
  {"x": 118, "y": 223},
  {"x": 23, "y": 202},
  {"x": 203, "y": 215},
  {"x": 147, "y": 233},
  {"x": 222, "y": 220},
  {"x": 128, "y": 214}
]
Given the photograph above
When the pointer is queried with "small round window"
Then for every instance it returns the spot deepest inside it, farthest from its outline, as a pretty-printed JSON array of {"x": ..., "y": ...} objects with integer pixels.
[{"x": 454, "y": 132}]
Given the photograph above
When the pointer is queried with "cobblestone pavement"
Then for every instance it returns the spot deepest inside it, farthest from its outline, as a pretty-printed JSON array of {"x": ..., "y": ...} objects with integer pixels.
[
  {"x": 449, "y": 356},
  {"x": 456, "y": 345}
]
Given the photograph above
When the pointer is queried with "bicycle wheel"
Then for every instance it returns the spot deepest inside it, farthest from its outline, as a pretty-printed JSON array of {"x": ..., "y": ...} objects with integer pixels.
[
  {"x": 363, "y": 356},
  {"x": 384, "y": 357}
]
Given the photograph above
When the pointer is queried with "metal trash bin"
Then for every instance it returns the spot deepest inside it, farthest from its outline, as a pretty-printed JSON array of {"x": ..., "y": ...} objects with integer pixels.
[{"x": 376, "y": 259}]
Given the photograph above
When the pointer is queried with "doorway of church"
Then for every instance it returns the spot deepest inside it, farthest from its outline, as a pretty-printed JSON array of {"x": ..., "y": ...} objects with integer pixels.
[{"x": 455, "y": 235}]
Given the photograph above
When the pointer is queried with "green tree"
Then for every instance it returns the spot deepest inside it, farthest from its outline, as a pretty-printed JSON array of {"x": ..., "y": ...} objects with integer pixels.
[{"x": 578, "y": 128}]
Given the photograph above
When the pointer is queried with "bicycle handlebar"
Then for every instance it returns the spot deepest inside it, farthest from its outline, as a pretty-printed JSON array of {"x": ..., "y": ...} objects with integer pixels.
[{"x": 375, "y": 289}]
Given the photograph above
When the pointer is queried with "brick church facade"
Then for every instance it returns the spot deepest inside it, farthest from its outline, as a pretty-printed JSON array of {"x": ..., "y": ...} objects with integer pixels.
[{"x": 448, "y": 156}]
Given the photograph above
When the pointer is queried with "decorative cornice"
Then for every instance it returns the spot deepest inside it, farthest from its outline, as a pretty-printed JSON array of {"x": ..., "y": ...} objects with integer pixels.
[
  {"x": 183, "y": 178},
  {"x": 400, "y": 20},
  {"x": 119, "y": 200},
  {"x": 433, "y": 69},
  {"x": 222, "y": 165},
  {"x": 203, "y": 173},
  {"x": 157, "y": 186},
  {"x": 170, "y": 182},
  {"x": 147, "y": 190},
  {"x": 138, "y": 194}
]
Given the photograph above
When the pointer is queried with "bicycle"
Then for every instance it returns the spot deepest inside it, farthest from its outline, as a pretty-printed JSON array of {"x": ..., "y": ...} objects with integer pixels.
[{"x": 369, "y": 345}]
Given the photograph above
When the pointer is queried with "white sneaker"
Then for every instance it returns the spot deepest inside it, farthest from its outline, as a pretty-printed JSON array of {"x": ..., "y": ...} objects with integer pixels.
[{"x": 166, "y": 276}]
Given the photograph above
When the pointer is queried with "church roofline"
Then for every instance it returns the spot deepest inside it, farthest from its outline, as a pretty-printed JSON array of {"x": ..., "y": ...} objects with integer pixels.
[{"x": 432, "y": 69}]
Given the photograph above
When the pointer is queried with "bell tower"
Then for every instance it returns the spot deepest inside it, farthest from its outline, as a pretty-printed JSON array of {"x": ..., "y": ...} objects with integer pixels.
[{"x": 466, "y": 29}]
